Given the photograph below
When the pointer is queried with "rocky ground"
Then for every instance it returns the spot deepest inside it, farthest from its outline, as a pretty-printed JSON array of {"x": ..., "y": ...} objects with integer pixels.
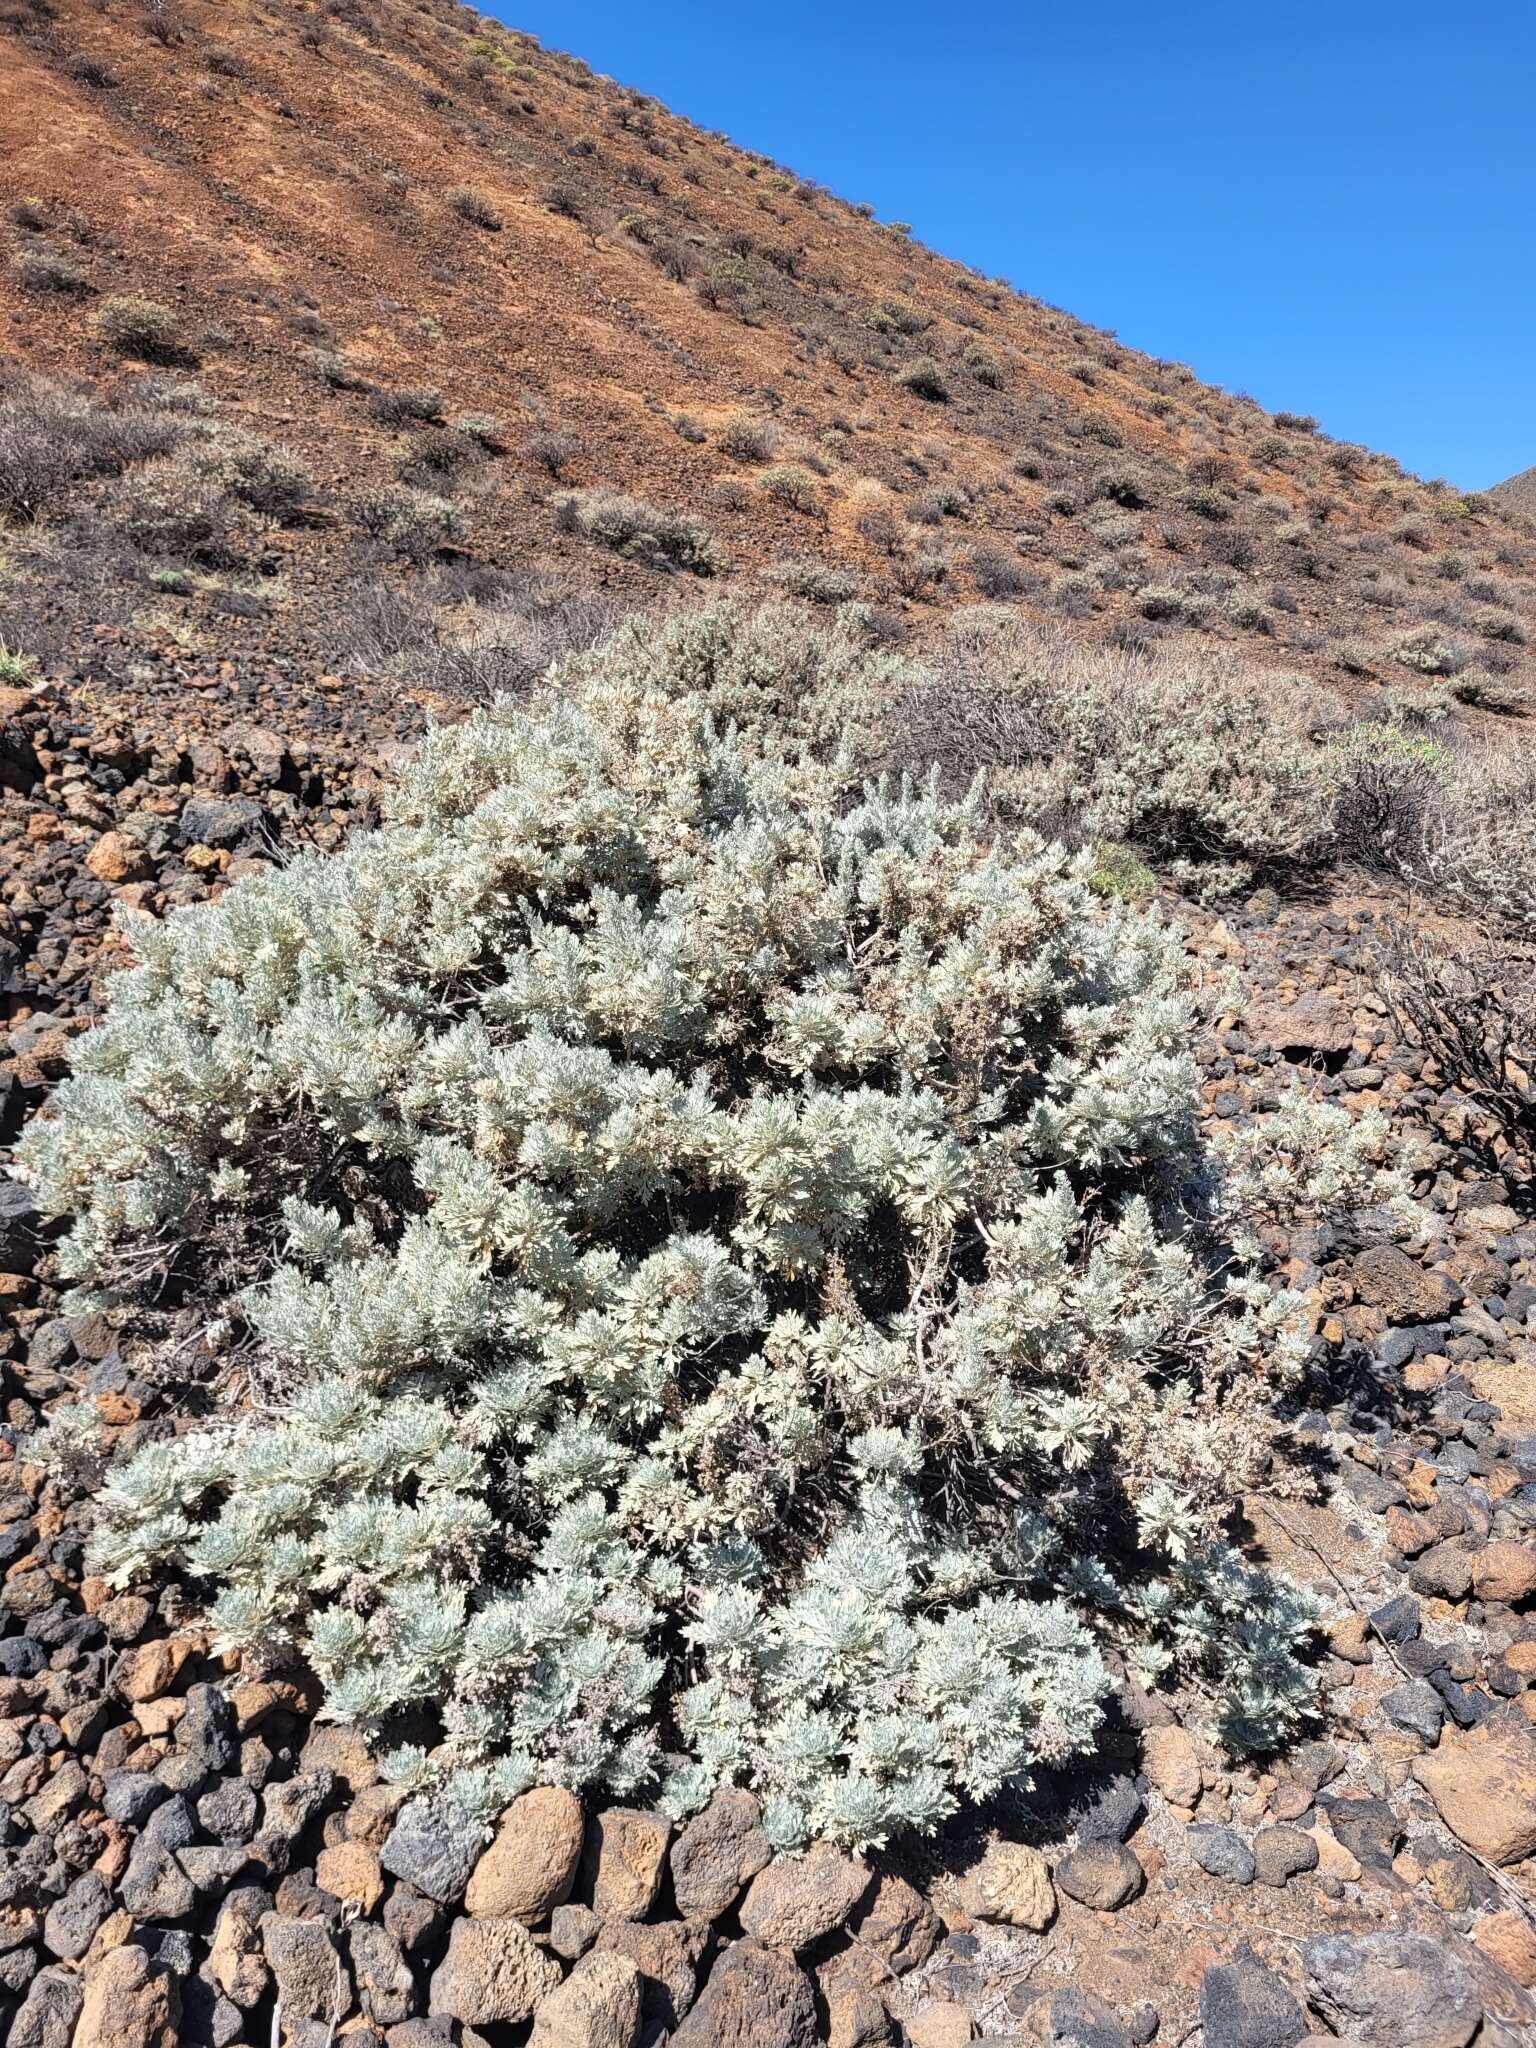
[{"x": 187, "y": 1855}]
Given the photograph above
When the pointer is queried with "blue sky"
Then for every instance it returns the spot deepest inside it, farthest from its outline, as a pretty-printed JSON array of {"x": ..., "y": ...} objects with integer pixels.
[{"x": 1331, "y": 206}]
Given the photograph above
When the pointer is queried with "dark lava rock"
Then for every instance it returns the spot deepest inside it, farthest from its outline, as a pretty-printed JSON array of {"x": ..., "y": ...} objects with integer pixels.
[
  {"x": 73, "y": 1920},
  {"x": 755, "y": 1997},
  {"x": 1100, "y": 1874},
  {"x": 1416, "y": 1707},
  {"x": 218, "y": 821},
  {"x": 434, "y": 1846},
  {"x": 1388, "y": 1989},
  {"x": 18, "y": 1227},
  {"x": 206, "y": 1729},
  {"x": 1465, "y": 1705},
  {"x": 48, "y": 2015},
  {"x": 131, "y": 1796},
  {"x": 1398, "y": 1620},
  {"x": 1221, "y": 1852},
  {"x": 1279, "y": 1854},
  {"x": 1444, "y": 1573},
  {"x": 1243, "y": 2004},
  {"x": 1078, "y": 2019},
  {"x": 1113, "y": 1812}
]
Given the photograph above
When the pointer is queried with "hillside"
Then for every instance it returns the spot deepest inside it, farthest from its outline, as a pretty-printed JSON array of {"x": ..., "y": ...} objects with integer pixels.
[
  {"x": 366, "y": 221},
  {"x": 1517, "y": 494},
  {"x": 627, "y": 1292}
]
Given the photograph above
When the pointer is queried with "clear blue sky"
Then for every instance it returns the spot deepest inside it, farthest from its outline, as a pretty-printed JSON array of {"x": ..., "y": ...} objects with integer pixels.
[{"x": 1330, "y": 204}]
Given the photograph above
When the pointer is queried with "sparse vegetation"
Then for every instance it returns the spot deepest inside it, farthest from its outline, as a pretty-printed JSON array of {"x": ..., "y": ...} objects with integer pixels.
[
  {"x": 172, "y": 507},
  {"x": 551, "y": 449},
  {"x": 16, "y": 669},
  {"x": 745, "y": 438},
  {"x": 791, "y": 484},
  {"x": 412, "y": 523},
  {"x": 39, "y": 269},
  {"x": 641, "y": 532},
  {"x": 474, "y": 207},
  {"x": 401, "y": 406},
  {"x": 924, "y": 379},
  {"x": 141, "y": 327}
]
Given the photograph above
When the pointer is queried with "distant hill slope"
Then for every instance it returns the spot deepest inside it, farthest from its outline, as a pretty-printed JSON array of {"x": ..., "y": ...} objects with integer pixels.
[
  {"x": 1517, "y": 493},
  {"x": 339, "y": 205}
]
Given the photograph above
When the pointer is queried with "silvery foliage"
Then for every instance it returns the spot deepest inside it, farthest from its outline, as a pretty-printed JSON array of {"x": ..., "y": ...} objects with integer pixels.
[{"x": 711, "y": 1246}]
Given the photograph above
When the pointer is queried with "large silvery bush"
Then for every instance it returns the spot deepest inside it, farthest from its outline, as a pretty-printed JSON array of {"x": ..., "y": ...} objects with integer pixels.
[{"x": 705, "y": 1263}]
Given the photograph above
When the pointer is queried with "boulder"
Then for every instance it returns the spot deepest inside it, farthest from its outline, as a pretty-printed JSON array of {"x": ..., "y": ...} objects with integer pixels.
[
  {"x": 311, "y": 1982},
  {"x": 798, "y": 1899},
  {"x": 115, "y": 858},
  {"x": 531, "y": 1865},
  {"x": 386, "y": 1989},
  {"x": 755, "y": 1997},
  {"x": 1011, "y": 1883},
  {"x": 1406, "y": 1292},
  {"x": 1505, "y": 1572},
  {"x": 1416, "y": 1707},
  {"x": 940, "y": 2024},
  {"x": 48, "y": 2013},
  {"x": 573, "y": 1929},
  {"x": 1509, "y": 1940},
  {"x": 1221, "y": 1852},
  {"x": 623, "y": 1859},
  {"x": 667, "y": 1953},
  {"x": 857, "y": 2019},
  {"x": 72, "y": 1921},
  {"x": 154, "y": 1886},
  {"x": 1484, "y": 1786},
  {"x": 598, "y": 2006},
  {"x": 1279, "y": 1854},
  {"x": 125, "y": 2005},
  {"x": 350, "y": 1871},
  {"x": 1081, "y": 2019},
  {"x": 718, "y": 1852},
  {"x": 218, "y": 821},
  {"x": 1442, "y": 1573},
  {"x": 1392, "y": 1990},
  {"x": 1104, "y": 1875},
  {"x": 434, "y": 1846},
  {"x": 1310, "y": 1025},
  {"x": 1243, "y": 2004},
  {"x": 491, "y": 1975},
  {"x": 236, "y": 1960},
  {"x": 895, "y": 1925},
  {"x": 1172, "y": 1762}
]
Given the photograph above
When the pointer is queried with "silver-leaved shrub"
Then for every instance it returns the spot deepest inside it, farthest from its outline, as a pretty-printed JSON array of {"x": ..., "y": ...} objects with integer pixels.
[{"x": 704, "y": 1267}]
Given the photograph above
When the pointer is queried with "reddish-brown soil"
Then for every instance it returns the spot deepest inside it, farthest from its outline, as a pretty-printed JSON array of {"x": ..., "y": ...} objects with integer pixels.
[{"x": 281, "y": 177}]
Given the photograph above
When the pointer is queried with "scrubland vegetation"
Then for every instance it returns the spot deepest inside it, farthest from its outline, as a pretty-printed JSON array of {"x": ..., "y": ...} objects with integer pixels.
[{"x": 704, "y": 1203}]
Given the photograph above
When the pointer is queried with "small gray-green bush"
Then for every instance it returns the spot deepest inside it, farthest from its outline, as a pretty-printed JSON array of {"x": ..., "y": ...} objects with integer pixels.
[
  {"x": 1196, "y": 764},
  {"x": 711, "y": 1256},
  {"x": 644, "y": 533}
]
